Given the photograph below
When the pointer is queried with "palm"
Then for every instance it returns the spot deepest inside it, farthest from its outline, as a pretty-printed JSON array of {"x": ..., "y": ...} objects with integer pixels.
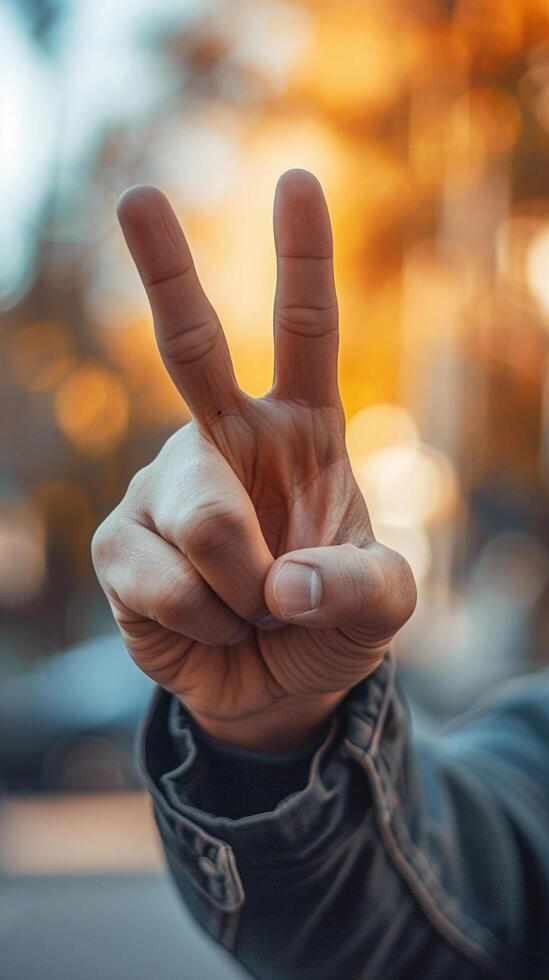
[{"x": 293, "y": 465}]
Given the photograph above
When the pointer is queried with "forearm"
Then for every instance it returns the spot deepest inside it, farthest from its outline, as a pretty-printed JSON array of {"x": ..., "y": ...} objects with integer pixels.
[{"x": 387, "y": 862}]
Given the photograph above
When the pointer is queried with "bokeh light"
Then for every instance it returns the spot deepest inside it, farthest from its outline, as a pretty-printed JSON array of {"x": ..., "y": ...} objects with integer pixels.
[
  {"x": 91, "y": 407},
  {"x": 22, "y": 553},
  {"x": 538, "y": 268},
  {"x": 411, "y": 542},
  {"x": 407, "y": 487},
  {"x": 378, "y": 426},
  {"x": 515, "y": 567}
]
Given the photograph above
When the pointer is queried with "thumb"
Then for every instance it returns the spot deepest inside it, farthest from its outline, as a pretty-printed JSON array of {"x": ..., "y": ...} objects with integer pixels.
[{"x": 342, "y": 586}]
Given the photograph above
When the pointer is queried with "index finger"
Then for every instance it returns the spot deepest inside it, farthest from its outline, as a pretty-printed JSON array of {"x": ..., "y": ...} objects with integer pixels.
[{"x": 188, "y": 333}]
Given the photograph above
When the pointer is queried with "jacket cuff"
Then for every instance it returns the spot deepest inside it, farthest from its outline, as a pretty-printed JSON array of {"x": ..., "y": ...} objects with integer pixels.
[
  {"x": 239, "y": 782},
  {"x": 302, "y": 826}
]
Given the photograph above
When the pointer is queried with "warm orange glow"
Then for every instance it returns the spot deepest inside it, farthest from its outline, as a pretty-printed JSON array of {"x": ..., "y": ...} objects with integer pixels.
[
  {"x": 234, "y": 248},
  {"x": 494, "y": 29},
  {"x": 484, "y": 122},
  {"x": 457, "y": 140},
  {"x": 537, "y": 269},
  {"x": 378, "y": 426},
  {"x": 92, "y": 409},
  {"x": 361, "y": 59}
]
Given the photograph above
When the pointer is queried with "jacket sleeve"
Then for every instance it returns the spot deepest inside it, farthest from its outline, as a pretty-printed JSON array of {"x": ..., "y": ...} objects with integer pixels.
[{"x": 366, "y": 855}]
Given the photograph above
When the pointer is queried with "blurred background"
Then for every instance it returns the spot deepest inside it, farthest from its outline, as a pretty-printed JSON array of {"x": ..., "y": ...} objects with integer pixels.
[{"x": 427, "y": 122}]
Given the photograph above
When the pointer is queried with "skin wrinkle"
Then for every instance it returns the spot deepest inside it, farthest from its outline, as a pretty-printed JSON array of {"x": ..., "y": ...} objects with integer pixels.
[
  {"x": 172, "y": 230},
  {"x": 185, "y": 596},
  {"x": 308, "y": 309},
  {"x": 190, "y": 329},
  {"x": 300, "y": 674},
  {"x": 194, "y": 600},
  {"x": 168, "y": 277},
  {"x": 164, "y": 665},
  {"x": 181, "y": 360},
  {"x": 288, "y": 325},
  {"x": 281, "y": 692},
  {"x": 312, "y": 468},
  {"x": 310, "y": 258}
]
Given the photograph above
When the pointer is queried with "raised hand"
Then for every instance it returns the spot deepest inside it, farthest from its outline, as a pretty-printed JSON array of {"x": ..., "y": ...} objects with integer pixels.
[{"x": 241, "y": 566}]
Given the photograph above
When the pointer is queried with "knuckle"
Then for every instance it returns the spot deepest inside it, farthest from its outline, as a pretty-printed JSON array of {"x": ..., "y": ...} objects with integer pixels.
[
  {"x": 107, "y": 536},
  {"x": 177, "y": 448},
  {"x": 196, "y": 601},
  {"x": 102, "y": 547},
  {"x": 210, "y": 526},
  {"x": 181, "y": 599},
  {"x": 137, "y": 483},
  {"x": 169, "y": 599},
  {"x": 363, "y": 581},
  {"x": 408, "y": 588},
  {"x": 401, "y": 590}
]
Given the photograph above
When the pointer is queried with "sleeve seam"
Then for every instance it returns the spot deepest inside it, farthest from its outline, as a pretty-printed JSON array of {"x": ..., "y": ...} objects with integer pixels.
[{"x": 476, "y": 942}]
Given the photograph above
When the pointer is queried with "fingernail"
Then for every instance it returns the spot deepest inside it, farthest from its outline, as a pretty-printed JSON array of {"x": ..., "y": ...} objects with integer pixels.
[
  {"x": 270, "y": 623},
  {"x": 297, "y": 588}
]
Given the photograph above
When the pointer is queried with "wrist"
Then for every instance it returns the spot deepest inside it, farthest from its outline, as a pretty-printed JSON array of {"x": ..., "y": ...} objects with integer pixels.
[{"x": 285, "y": 727}]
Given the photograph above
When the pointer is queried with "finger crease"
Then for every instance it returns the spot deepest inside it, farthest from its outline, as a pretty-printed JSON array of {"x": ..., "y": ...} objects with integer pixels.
[
  {"x": 177, "y": 274},
  {"x": 192, "y": 328},
  {"x": 182, "y": 358},
  {"x": 305, "y": 334},
  {"x": 312, "y": 258},
  {"x": 330, "y": 308}
]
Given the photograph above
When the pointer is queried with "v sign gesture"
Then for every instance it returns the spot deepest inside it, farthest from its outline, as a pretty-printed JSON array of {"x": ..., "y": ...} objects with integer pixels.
[{"x": 241, "y": 566}]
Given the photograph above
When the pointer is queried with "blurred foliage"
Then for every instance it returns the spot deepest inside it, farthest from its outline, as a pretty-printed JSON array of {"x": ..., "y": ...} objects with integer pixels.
[{"x": 428, "y": 124}]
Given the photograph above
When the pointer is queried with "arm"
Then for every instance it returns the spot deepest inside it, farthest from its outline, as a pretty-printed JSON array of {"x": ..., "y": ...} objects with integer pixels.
[
  {"x": 391, "y": 859},
  {"x": 244, "y": 575}
]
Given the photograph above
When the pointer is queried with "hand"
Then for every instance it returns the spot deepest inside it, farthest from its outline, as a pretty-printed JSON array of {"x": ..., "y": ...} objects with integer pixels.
[{"x": 241, "y": 566}]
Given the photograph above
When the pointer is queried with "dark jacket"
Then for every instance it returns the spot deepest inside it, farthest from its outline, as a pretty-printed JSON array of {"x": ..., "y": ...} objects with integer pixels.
[{"x": 366, "y": 855}]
